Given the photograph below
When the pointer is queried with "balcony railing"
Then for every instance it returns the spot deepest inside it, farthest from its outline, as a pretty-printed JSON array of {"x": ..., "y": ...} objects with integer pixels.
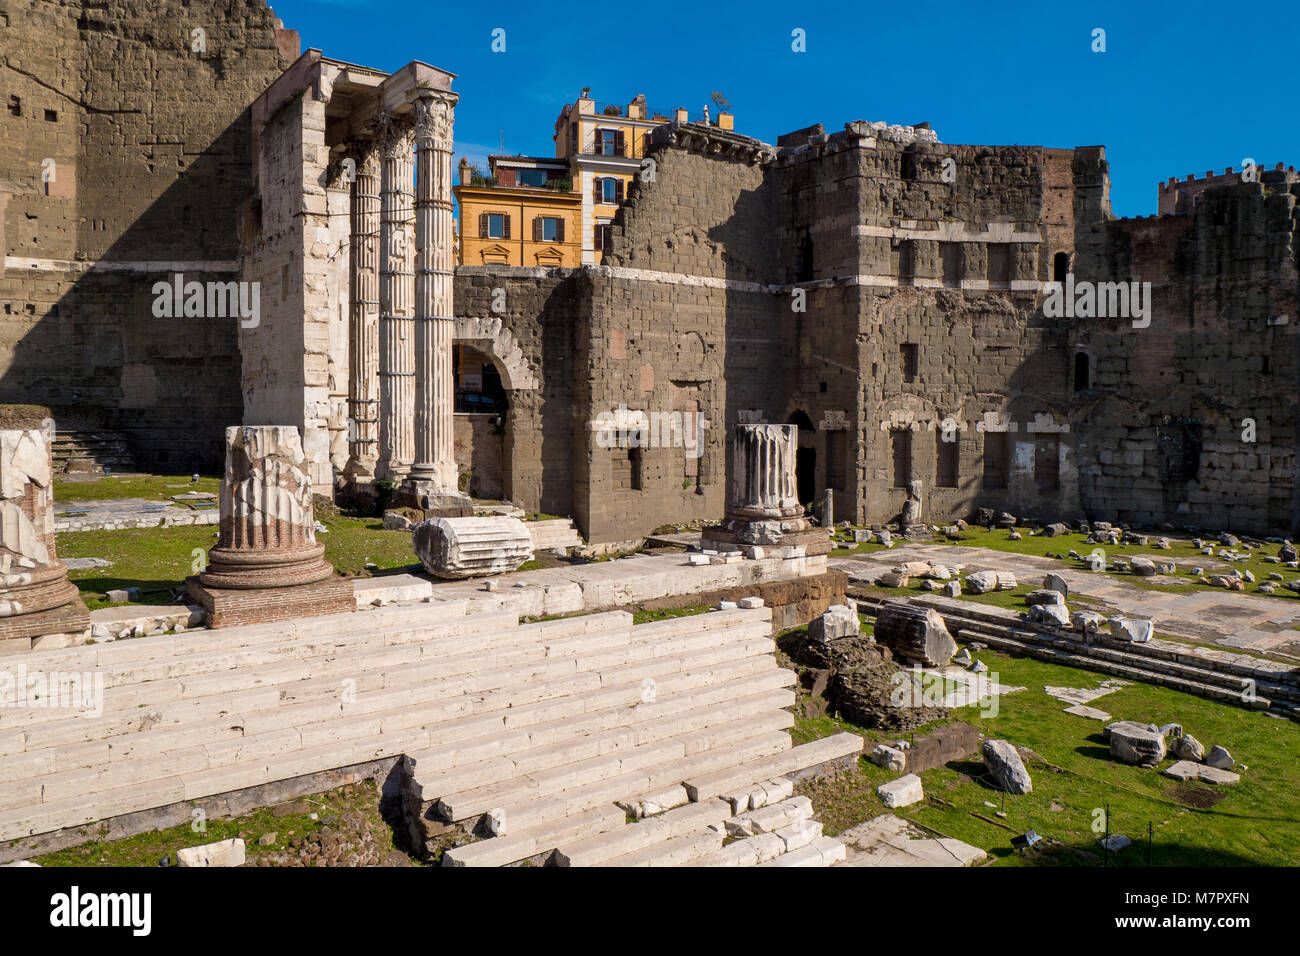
[{"x": 564, "y": 185}]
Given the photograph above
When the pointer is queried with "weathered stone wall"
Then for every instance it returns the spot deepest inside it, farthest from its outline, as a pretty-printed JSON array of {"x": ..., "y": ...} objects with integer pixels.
[
  {"x": 534, "y": 342},
  {"x": 907, "y": 326},
  {"x": 1166, "y": 425},
  {"x": 479, "y": 452},
  {"x": 150, "y": 143}
]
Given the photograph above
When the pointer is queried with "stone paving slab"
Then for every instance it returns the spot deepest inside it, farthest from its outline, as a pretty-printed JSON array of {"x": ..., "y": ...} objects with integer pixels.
[
  {"x": 116, "y": 513},
  {"x": 1190, "y": 770},
  {"x": 888, "y": 840},
  {"x": 1229, "y": 618},
  {"x": 1080, "y": 710}
]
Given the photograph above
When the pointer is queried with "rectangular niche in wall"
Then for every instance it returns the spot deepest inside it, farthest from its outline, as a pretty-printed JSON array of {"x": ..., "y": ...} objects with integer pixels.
[{"x": 997, "y": 459}]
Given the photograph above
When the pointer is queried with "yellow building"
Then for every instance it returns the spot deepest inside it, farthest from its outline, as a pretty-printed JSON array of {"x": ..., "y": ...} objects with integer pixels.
[
  {"x": 535, "y": 211},
  {"x": 524, "y": 213}
]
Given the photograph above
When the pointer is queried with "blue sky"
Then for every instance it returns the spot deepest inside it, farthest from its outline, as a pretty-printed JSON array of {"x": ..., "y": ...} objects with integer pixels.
[{"x": 1182, "y": 87}]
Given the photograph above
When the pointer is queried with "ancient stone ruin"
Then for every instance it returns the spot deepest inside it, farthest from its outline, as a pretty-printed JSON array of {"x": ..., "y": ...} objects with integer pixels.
[
  {"x": 39, "y": 606},
  {"x": 763, "y": 512},
  {"x": 471, "y": 547},
  {"x": 267, "y": 564}
]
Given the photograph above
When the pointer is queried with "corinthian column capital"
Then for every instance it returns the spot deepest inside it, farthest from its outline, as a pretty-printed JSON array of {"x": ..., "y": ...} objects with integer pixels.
[
  {"x": 393, "y": 131},
  {"x": 434, "y": 118}
]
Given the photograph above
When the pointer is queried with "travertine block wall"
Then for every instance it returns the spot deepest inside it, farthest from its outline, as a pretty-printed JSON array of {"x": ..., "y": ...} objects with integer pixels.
[
  {"x": 1165, "y": 427},
  {"x": 534, "y": 340},
  {"x": 150, "y": 141}
]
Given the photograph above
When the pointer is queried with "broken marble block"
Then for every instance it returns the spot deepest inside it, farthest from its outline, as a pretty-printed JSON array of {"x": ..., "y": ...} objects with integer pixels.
[
  {"x": 1187, "y": 747},
  {"x": 1087, "y": 622},
  {"x": 1143, "y": 567},
  {"x": 903, "y": 792},
  {"x": 893, "y": 579},
  {"x": 1045, "y": 596},
  {"x": 1054, "y": 582},
  {"x": 914, "y": 633},
  {"x": 470, "y": 547},
  {"x": 1135, "y": 743},
  {"x": 1220, "y": 758},
  {"x": 982, "y": 581},
  {"x": 1050, "y": 615},
  {"x": 1004, "y": 765},
  {"x": 223, "y": 853},
  {"x": 891, "y": 758},
  {"x": 837, "y": 621},
  {"x": 1131, "y": 629}
]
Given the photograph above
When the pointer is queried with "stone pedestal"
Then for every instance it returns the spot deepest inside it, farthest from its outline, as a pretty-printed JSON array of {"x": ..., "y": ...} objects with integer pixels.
[
  {"x": 39, "y": 606},
  {"x": 471, "y": 547},
  {"x": 763, "y": 510},
  {"x": 267, "y": 564}
]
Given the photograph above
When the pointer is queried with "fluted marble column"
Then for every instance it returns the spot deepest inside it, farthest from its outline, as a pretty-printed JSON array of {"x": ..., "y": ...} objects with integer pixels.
[
  {"x": 363, "y": 328},
  {"x": 36, "y": 597},
  {"x": 434, "y": 470},
  {"x": 267, "y": 536},
  {"x": 762, "y": 472},
  {"x": 396, "y": 295}
]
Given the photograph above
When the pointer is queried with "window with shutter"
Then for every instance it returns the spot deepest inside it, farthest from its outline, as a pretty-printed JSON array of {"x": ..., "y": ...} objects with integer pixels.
[
  {"x": 537, "y": 229},
  {"x": 597, "y": 190},
  {"x": 600, "y": 141},
  {"x": 619, "y": 147},
  {"x": 559, "y": 230},
  {"x": 618, "y": 190},
  {"x": 483, "y": 225},
  {"x": 505, "y": 228}
]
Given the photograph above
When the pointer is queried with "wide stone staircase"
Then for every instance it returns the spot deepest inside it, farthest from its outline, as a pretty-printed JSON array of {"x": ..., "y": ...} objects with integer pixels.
[
  {"x": 91, "y": 452},
  {"x": 551, "y": 735},
  {"x": 554, "y": 533}
]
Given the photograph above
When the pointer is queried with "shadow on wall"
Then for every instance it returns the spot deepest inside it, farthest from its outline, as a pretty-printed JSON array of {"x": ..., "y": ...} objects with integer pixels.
[
  {"x": 102, "y": 359},
  {"x": 167, "y": 175}
]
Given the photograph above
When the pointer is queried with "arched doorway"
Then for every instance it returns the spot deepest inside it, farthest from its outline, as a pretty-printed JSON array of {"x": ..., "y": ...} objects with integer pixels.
[
  {"x": 1082, "y": 372},
  {"x": 482, "y": 407},
  {"x": 805, "y": 459}
]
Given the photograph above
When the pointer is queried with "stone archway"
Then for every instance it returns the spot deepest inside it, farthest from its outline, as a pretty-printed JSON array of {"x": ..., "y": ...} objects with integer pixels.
[
  {"x": 490, "y": 335},
  {"x": 505, "y": 445}
]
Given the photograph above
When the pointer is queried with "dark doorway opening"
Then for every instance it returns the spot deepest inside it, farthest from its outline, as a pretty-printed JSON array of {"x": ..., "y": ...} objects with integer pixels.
[{"x": 805, "y": 459}]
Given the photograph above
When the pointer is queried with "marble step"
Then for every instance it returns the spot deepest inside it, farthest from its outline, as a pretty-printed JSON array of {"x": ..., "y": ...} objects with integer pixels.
[
  {"x": 464, "y": 789},
  {"x": 513, "y": 847},
  {"x": 823, "y": 851},
  {"x": 525, "y": 804},
  {"x": 322, "y": 681},
  {"x": 684, "y": 850},
  {"x": 803, "y": 757},
  {"x": 601, "y": 848},
  {"x": 284, "y": 730}
]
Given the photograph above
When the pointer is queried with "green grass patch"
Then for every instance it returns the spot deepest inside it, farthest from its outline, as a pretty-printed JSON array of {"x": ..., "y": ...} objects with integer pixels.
[
  {"x": 1256, "y": 822},
  {"x": 153, "y": 487},
  {"x": 156, "y": 559},
  {"x": 148, "y": 849}
]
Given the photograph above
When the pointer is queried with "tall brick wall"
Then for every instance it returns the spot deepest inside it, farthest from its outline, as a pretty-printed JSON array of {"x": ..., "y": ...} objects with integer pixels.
[
  {"x": 151, "y": 145},
  {"x": 1164, "y": 426},
  {"x": 535, "y": 343}
]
